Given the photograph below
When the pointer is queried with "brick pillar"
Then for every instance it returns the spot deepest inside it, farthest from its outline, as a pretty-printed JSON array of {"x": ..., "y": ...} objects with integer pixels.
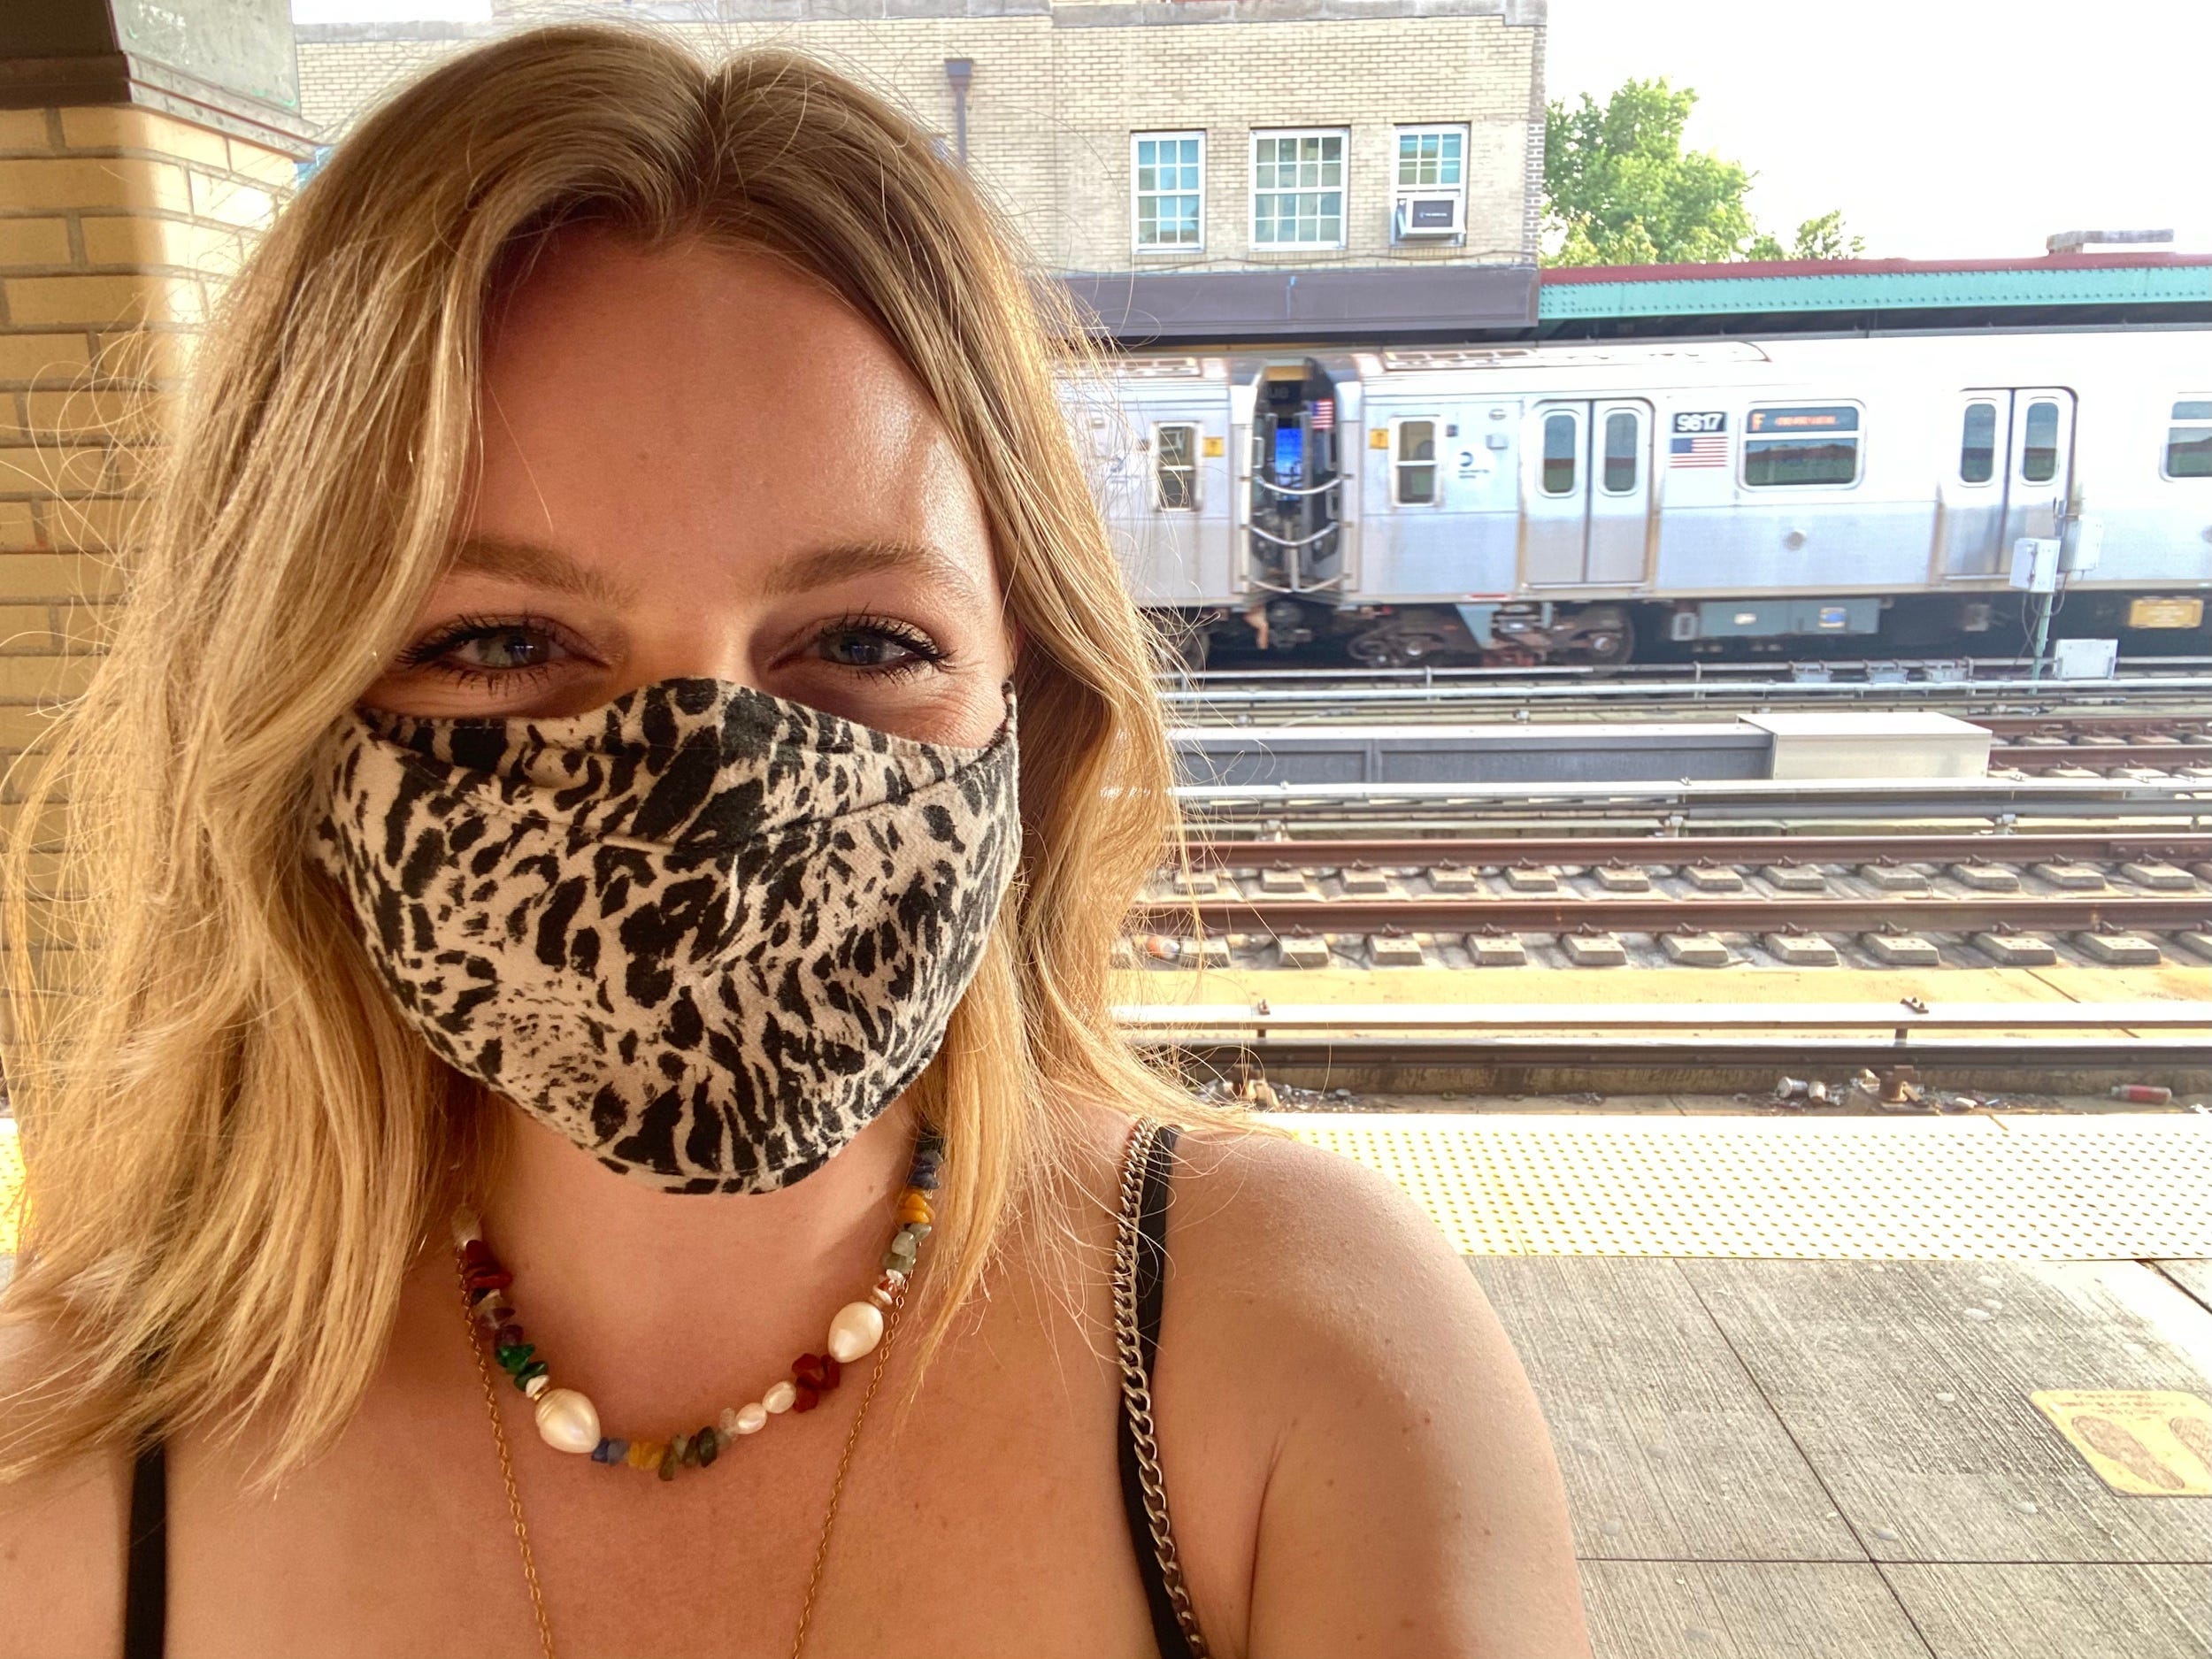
[{"x": 131, "y": 184}]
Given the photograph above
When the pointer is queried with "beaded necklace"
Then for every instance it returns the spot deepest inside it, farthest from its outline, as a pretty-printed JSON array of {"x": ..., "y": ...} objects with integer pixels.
[{"x": 569, "y": 1421}]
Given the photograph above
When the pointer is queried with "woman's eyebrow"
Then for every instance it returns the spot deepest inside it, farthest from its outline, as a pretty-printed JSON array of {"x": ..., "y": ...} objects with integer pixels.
[
  {"x": 547, "y": 567},
  {"x": 848, "y": 559}
]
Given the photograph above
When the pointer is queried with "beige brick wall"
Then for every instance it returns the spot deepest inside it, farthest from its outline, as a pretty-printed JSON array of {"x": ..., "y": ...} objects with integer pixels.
[
  {"x": 1059, "y": 89},
  {"x": 118, "y": 226}
]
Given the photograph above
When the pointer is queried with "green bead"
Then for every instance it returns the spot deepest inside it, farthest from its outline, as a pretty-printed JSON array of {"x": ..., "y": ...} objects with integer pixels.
[
  {"x": 687, "y": 1452},
  {"x": 709, "y": 1442},
  {"x": 668, "y": 1462},
  {"x": 535, "y": 1368},
  {"x": 513, "y": 1358}
]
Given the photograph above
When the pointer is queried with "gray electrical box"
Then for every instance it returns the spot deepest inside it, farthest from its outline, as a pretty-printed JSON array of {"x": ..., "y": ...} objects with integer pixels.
[
  {"x": 2084, "y": 545},
  {"x": 2035, "y": 564}
]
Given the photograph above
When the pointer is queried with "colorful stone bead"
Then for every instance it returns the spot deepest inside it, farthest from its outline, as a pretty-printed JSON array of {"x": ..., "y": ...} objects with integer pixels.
[
  {"x": 728, "y": 1424},
  {"x": 567, "y": 1421},
  {"x": 514, "y": 1357},
  {"x": 777, "y": 1399},
  {"x": 855, "y": 1330},
  {"x": 709, "y": 1442},
  {"x": 537, "y": 1385},
  {"x": 669, "y": 1463},
  {"x": 681, "y": 1446},
  {"x": 535, "y": 1368},
  {"x": 644, "y": 1454},
  {"x": 803, "y": 1398},
  {"x": 507, "y": 1336}
]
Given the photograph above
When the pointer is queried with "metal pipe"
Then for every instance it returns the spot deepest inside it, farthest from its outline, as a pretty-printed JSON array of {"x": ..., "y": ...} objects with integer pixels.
[{"x": 959, "y": 72}]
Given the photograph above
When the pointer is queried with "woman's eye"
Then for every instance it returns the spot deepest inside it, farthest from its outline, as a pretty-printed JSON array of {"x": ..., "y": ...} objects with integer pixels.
[
  {"x": 874, "y": 648},
  {"x": 487, "y": 648}
]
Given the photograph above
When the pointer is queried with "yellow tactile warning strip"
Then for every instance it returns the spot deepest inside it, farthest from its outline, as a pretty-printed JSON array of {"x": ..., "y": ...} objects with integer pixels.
[
  {"x": 2148, "y": 1444},
  {"x": 1979, "y": 1188}
]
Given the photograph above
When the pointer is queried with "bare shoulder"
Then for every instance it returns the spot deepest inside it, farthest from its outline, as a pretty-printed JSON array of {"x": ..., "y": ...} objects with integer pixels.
[
  {"x": 1408, "y": 1501},
  {"x": 61, "y": 1540}
]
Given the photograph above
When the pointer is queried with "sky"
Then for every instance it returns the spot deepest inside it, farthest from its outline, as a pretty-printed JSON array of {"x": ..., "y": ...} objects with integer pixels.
[{"x": 1941, "y": 128}]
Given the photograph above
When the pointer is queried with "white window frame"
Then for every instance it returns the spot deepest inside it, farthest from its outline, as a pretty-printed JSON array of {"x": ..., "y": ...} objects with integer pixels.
[
  {"x": 1154, "y": 249},
  {"x": 1197, "y": 469},
  {"x": 1401, "y": 191},
  {"x": 1997, "y": 444},
  {"x": 1858, "y": 448},
  {"x": 2166, "y": 430},
  {"x": 1343, "y": 136},
  {"x": 1398, "y": 463}
]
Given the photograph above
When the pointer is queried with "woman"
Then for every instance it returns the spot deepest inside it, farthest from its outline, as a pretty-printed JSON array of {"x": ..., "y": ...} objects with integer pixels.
[{"x": 564, "y": 931}]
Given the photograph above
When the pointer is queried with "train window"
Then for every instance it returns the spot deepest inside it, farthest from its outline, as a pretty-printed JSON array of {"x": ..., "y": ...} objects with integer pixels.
[
  {"x": 1413, "y": 472},
  {"x": 1168, "y": 188},
  {"x": 1622, "y": 446},
  {"x": 1298, "y": 190},
  {"x": 2039, "y": 449},
  {"x": 2189, "y": 440},
  {"x": 1977, "y": 444},
  {"x": 1175, "y": 468},
  {"x": 1802, "y": 446},
  {"x": 1562, "y": 453}
]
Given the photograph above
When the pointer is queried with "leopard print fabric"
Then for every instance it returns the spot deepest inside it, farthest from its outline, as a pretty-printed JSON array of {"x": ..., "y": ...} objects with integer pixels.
[{"x": 705, "y": 932}]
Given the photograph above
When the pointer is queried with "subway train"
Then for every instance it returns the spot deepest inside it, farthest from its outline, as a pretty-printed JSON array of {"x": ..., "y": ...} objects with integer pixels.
[{"x": 1600, "y": 502}]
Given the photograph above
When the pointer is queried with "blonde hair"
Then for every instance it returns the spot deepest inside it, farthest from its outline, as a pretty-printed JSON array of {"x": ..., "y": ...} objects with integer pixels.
[{"x": 235, "y": 1146}]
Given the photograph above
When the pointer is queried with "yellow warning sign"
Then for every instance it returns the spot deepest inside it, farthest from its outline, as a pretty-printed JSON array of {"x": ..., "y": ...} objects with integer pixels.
[
  {"x": 2151, "y": 1444},
  {"x": 1379, "y": 438},
  {"x": 1216, "y": 446}
]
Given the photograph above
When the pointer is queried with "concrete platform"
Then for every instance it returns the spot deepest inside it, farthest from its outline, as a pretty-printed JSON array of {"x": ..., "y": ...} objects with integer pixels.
[{"x": 1790, "y": 1446}]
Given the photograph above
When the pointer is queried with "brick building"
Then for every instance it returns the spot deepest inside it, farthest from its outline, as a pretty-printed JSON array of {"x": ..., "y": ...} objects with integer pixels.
[{"x": 1177, "y": 161}]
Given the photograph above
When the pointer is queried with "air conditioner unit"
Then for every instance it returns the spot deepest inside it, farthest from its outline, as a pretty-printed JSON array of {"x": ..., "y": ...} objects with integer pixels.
[{"x": 1422, "y": 215}]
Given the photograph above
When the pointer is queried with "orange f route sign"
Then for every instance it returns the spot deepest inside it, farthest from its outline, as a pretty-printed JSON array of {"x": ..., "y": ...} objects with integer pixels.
[{"x": 2148, "y": 1444}]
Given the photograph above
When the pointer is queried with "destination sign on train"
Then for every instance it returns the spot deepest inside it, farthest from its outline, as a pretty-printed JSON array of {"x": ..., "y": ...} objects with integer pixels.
[{"x": 1832, "y": 418}]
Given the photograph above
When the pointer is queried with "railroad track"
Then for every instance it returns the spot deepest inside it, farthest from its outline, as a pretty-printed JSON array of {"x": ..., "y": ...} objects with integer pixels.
[{"x": 2111, "y": 898}]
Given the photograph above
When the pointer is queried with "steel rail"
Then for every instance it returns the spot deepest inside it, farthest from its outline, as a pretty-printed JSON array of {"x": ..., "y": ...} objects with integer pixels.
[
  {"x": 2038, "y": 756},
  {"x": 1236, "y": 1017},
  {"x": 1700, "y": 850},
  {"x": 1681, "y": 691},
  {"x": 1649, "y": 913},
  {"x": 2131, "y": 1057},
  {"x": 2132, "y": 667}
]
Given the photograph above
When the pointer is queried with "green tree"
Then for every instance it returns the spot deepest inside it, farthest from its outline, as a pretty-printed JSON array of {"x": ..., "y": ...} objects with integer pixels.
[{"x": 1618, "y": 189}]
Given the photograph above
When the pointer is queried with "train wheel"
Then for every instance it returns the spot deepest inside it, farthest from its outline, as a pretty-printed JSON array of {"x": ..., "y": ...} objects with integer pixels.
[{"x": 1613, "y": 643}]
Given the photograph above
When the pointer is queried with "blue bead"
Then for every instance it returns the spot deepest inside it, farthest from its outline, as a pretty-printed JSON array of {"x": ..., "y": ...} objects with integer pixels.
[
  {"x": 617, "y": 1450},
  {"x": 599, "y": 1452}
]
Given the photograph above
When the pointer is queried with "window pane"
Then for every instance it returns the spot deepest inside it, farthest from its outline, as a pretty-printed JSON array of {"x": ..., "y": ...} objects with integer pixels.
[
  {"x": 1448, "y": 157},
  {"x": 1620, "y": 451},
  {"x": 2189, "y": 452},
  {"x": 2038, "y": 452},
  {"x": 1560, "y": 444},
  {"x": 2192, "y": 409},
  {"x": 1804, "y": 461},
  {"x": 1417, "y": 484},
  {"x": 1175, "y": 468},
  {"x": 1416, "y": 441},
  {"x": 1977, "y": 444}
]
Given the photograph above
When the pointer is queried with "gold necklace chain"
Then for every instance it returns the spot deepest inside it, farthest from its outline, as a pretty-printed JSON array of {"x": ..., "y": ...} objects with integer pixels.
[{"x": 514, "y": 1493}]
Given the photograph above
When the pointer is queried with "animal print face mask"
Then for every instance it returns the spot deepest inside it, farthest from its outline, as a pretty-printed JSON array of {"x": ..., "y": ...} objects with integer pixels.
[{"x": 707, "y": 934}]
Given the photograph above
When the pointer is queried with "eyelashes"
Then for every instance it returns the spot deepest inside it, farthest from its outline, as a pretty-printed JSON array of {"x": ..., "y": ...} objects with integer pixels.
[{"x": 877, "y": 647}]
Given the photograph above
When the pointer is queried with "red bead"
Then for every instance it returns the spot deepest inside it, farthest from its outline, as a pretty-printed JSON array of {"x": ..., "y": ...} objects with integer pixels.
[
  {"x": 490, "y": 1277},
  {"x": 831, "y": 1371},
  {"x": 475, "y": 1251},
  {"x": 806, "y": 1399}
]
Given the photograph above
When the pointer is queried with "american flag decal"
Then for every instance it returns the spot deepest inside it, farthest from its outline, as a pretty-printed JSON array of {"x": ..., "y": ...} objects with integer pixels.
[
  {"x": 1706, "y": 448},
  {"x": 1323, "y": 415}
]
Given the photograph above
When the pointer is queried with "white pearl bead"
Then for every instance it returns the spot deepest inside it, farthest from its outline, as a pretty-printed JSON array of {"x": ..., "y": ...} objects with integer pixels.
[
  {"x": 856, "y": 1331},
  {"x": 779, "y": 1397},
  {"x": 567, "y": 1421},
  {"x": 537, "y": 1385},
  {"x": 752, "y": 1418}
]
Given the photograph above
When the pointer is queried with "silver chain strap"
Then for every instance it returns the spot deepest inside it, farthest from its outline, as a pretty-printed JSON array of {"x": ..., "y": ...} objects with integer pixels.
[{"x": 1136, "y": 1390}]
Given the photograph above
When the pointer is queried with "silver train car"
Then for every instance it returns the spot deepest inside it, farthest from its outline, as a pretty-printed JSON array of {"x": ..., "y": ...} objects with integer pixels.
[{"x": 1595, "y": 502}]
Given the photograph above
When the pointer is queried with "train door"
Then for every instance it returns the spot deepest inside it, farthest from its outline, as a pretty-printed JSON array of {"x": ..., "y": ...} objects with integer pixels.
[
  {"x": 2008, "y": 477},
  {"x": 1296, "y": 507},
  {"x": 1587, "y": 500}
]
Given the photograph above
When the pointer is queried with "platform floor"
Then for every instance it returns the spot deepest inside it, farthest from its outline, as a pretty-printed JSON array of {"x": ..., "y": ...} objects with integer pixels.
[{"x": 1842, "y": 1459}]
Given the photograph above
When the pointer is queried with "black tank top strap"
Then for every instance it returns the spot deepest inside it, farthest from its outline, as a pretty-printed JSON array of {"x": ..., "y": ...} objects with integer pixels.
[
  {"x": 146, "y": 1562},
  {"x": 1151, "y": 1264}
]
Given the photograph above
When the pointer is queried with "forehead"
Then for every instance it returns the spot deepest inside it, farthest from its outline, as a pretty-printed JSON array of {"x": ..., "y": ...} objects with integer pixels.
[{"x": 670, "y": 396}]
